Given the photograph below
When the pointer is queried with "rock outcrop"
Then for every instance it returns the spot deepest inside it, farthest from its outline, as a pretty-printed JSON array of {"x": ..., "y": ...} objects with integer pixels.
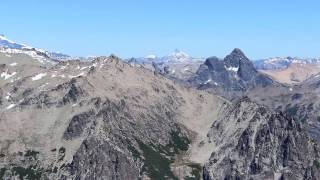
[{"x": 255, "y": 143}]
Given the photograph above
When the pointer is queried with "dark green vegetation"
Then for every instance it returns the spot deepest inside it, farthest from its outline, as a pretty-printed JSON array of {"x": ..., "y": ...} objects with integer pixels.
[
  {"x": 179, "y": 143},
  {"x": 2, "y": 171},
  {"x": 30, "y": 153},
  {"x": 157, "y": 158},
  {"x": 292, "y": 110},
  {"x": 135, "y": 153},
  {"x": 27, "y": 172},
  {"x": 196, "y": 172},
  {"x": 62, "y": 151},
  {"x": 23, "y": 173},
  {"x": 156, "y": 165},
  {"x": 30, "y": 172},
  {"x": 317, "y": 163},
  {"x": 299, "y": 112}
]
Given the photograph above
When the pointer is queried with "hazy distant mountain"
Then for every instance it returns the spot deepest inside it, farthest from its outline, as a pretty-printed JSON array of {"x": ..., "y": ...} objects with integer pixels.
[
  {"x": 288, "y": 69},
  {"x": 277, "y": 63},
  {"x": 177, "y": 56},
  {"x": 178, "y": 64},
  {"x": 295, "y": 73}
]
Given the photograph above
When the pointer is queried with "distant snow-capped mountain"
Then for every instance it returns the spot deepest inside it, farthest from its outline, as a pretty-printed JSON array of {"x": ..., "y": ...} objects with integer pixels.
[
  {"x": 151, "y": 57},
  {"x": 282, "y": 62},
  {"x": 176, "y": 57},
  {"x": 6, "y": 43},
  {"x": 9, "y": 46},
  {"x": 177, "y": 64}
]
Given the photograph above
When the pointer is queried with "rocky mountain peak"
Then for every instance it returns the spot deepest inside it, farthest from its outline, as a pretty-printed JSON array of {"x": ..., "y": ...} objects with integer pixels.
[
  {"x": 114, "y": 59},
  {"x": 234, "y": 73},
  {"x": 237, "y": 51},
  {"x": 236, "y": 57},
  {"x": 213, "y": 62}
]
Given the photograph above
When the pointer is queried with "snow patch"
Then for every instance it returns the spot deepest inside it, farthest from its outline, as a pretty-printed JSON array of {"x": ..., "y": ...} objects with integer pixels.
[
  {"x": 11, "y": 106},
  {"x": 38, "y": 76},
  {"x": 15, "y": 79},
  {"x": 94, "y": 64},
  {"x": 8, "y": 96},
  {"x": 235, "y": 69},
  {"x": 13, "y": 64},
  {"x": 6, "y": 75},
  {"x": 83, "y": 68},
  {"x": 209, "y": 80},
  {"x": 81, "y": 74}
]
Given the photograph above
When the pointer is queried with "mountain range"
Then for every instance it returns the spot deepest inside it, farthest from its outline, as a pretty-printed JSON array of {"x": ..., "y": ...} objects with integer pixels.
[
  {"x": 279, "y": 63},
  {"x": 289, "y": 70},
  {"x": 179, "y": 65},
  {"x": 109, "y": 118}
]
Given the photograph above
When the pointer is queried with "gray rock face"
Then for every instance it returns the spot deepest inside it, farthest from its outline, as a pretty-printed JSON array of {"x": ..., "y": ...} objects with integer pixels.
[
  {"x": 300, "y": 102},
  {"x": 256, "y": 143},
  {"x": 78, "y": 124},
  {"x": 235, "y": 73},
  {"x": 99, "y": 159}
]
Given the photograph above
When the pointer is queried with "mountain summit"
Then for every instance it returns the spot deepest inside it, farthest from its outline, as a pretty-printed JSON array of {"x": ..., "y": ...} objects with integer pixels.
[
  {"x": 233, "y": 73},
  {"x": 177, "y": 56},
  {"x": 237, "y": 57}
]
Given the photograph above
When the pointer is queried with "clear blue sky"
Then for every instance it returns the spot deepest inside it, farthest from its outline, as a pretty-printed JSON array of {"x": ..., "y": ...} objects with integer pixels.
[{"x": 140, "y": 27}]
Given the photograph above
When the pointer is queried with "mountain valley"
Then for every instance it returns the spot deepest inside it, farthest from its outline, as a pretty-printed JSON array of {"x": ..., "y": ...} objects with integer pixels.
[{"x": 175, "y": 117}]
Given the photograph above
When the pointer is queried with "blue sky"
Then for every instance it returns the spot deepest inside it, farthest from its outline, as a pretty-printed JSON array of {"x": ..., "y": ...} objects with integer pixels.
[{"x": 139, "y": 27}]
